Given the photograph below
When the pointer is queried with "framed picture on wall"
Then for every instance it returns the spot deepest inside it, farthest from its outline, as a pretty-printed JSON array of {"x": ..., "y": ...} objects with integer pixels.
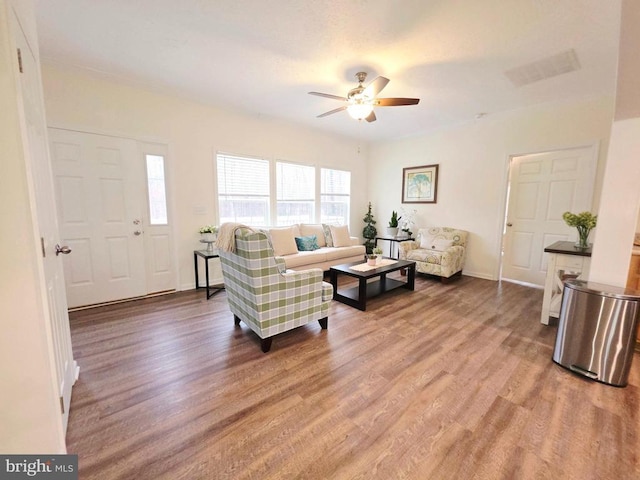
[{"x": 420, "y": 184}]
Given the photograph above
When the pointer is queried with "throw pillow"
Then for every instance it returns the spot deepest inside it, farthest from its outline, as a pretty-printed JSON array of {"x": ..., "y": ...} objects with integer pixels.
[
  {"x": 433, "y": 243},
  {"x": 340, "y": 236},
  {"x": 307, "y": 229},
  {"x": 283, "y": 241},
  {"x": 327, "y": 235},
  {"x": 307, "y": 244}
]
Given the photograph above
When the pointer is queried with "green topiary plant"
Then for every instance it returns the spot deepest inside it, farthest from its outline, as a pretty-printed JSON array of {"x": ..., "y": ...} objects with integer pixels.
[{"x": 369, "y": 232}]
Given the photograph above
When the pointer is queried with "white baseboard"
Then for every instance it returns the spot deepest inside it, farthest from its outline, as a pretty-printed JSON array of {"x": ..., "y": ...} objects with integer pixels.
[{"x": 483, "y": 276}]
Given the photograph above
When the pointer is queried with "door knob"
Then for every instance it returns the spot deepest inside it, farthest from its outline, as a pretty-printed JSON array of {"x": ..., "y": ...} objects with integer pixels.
[
  {"x": 509, "y": 224},
  {"x": 64, "y": 250},
  {"x": 137, "y": 232}
]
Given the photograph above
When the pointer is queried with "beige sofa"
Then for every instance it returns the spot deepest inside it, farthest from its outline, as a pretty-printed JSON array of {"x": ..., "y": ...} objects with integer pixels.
[{"x": 335, "y": 246}]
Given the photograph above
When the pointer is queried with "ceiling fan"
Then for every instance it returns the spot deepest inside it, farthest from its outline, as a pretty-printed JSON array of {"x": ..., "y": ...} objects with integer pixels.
[{"x": 361, "y": 100}]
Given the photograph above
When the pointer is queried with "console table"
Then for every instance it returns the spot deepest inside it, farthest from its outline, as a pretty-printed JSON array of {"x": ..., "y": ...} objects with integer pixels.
[
  {"x": 566, "y": 261},
  {"x": 391, "y": 241},
  {"x": 207, "y": 255}
]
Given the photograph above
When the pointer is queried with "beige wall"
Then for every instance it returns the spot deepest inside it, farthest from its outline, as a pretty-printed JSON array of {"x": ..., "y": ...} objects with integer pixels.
[
  {"x": 194, "y": 132},
  {"x": 473, "y": 163},
  {"x": 620, "y": 204},
  {"x": 473, "y": 158}
]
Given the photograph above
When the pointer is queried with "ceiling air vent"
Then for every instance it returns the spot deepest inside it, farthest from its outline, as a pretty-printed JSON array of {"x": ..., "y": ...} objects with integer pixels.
[{"x": 553, "y": 66}]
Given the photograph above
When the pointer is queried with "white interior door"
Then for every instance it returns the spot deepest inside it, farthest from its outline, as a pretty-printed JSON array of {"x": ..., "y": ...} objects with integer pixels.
[
  {"x": 100, "y": 193},
  {"x": 541, "y": 188},
  {"x": 40, "y": 171}
]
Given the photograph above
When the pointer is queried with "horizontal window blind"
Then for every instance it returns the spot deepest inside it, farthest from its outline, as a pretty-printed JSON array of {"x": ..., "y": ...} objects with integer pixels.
[
  {"x": 295, "y": 193},
  {"x": 243, "y": 190},
  {"x": 335, "y": 196}
]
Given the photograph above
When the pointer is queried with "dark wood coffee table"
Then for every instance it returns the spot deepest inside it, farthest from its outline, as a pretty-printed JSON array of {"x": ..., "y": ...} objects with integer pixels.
[{"x": 357, "y": 296}]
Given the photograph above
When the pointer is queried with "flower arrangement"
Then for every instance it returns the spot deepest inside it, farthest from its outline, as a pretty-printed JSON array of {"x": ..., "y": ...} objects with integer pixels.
[
  {"x": 407, "y": 221},
  {"x": 209, "y": 229},
  {"x": 584, "y": 223},
  {"x": 377, "y": 251}
]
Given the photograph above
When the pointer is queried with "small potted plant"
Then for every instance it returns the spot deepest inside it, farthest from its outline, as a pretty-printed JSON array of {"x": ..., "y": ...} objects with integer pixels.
[
  {"x": 377, "y": 251},
  {"x": 208, "y": 233},
  {"x": 393, "y": 224},
  {"x": 372, "y": 259}
]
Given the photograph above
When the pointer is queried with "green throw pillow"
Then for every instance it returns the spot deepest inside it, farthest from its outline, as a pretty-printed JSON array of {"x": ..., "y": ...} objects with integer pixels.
[{"x": 307, "y": 244}]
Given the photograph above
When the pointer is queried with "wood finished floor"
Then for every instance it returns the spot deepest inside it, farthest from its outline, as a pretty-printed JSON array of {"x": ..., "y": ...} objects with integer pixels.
[{"x": 447, "y": 382}]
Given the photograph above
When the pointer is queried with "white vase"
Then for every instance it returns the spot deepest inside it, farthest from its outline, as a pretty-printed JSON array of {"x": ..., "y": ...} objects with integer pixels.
[
  {"x": 392, "y": 231},
  {"x": 208, "y": 237}
]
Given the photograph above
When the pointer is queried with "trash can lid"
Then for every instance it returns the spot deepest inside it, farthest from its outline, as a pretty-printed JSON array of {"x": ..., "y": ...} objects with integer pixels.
[{"x": 603, "y": 290}]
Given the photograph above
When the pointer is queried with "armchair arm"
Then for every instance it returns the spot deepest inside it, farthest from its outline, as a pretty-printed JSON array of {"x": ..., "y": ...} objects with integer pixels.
[
  {"x": 355, "y": 241},
  {"x": 309, "y": 282},
  {"x": 405, "y": 247},
  {"x": 280, "y": 263},
  {"x": 309, "y": 276},
  {"x": 452, "y": 260}
]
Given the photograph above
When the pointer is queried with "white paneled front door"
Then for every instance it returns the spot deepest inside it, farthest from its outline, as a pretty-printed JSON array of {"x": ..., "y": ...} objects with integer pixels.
[
  {"x": 100, "y": 190},
  {"x": 541, "y": 188}
]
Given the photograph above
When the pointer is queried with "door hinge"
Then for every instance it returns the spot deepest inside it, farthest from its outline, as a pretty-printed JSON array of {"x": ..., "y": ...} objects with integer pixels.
[
  {"x": 20, "y": 61},
  {"x": 62, "y": 405},
  {"x": 44, "y": 254}
]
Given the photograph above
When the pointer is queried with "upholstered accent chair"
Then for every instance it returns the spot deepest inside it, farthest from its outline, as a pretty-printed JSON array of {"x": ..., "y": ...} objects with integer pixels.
[
  {"x": 265, "y": 296},
  {"x": 437, "y": 251}
]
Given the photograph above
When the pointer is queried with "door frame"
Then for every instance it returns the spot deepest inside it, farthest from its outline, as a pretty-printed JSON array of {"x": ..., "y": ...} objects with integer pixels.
[
  {"x": 169, "y": 172},
  {"x": 595, "y": 151}
]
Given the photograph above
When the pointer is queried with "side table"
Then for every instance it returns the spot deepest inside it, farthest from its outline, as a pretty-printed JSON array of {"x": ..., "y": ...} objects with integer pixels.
[
  {"x": 207, "y": 255},
  {"x": 391, "y": 241},
  {"x": 565, "y": 262}
]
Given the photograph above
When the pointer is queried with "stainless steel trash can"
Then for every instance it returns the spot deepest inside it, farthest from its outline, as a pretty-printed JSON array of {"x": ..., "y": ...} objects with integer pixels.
[{"x": 597, "y": 331}]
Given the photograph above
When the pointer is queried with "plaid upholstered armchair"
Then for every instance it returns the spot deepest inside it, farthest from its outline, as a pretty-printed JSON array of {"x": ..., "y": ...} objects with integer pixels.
[{"x": 263, "y": 295}]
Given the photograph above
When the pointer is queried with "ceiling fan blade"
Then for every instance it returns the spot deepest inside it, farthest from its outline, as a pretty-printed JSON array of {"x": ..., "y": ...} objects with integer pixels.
[
  {"x": 328, "y": 95},
  {"x": 371, "y": 117},
  {"x": 394, "y": 102},
  {"x": 335, "y": 110},
  {"x": 375, "y": 87}
]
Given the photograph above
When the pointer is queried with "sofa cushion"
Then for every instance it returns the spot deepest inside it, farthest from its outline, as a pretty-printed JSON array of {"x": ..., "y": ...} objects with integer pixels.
[
  {"x": 307, "y": 229},
  {"x": 435, "y": 243},
  {"x": 344, "y": 252},
  {"x": 427, "y": 256},
  {"x": 340, "y": 236},
  {"x": 307, "y": 244},
  {"x": 283, "y": 240},
  {"x": 327, "y": 235},
  {"x": 303, "y": 259}
]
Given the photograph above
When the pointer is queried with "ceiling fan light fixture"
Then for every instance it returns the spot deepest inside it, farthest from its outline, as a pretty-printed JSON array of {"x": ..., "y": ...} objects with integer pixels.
[{"x": 359, "y": 111}]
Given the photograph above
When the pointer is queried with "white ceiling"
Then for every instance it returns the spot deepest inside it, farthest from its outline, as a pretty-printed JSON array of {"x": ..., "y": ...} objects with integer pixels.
[{"x": 263, "y": 56}]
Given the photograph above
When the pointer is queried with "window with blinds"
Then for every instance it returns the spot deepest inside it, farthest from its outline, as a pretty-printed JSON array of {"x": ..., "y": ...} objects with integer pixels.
[
  {"x": 295, "y": 193},
  {"x": 243, "y": 190},
  {"x": 335, "y": 196},
  {"x": 247, "y": 195}
]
